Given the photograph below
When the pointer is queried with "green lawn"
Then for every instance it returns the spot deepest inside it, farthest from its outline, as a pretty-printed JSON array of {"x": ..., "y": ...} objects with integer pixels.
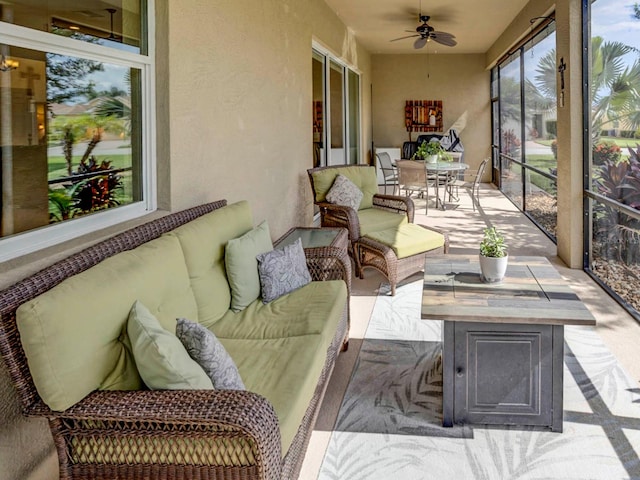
[
  {"x": 58, "y": 167},
  {"x": 622, "y": 142}
]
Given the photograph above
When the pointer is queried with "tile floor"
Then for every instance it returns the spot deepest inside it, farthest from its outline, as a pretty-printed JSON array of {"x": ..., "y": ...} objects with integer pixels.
[{"x": 619, "y": 331}]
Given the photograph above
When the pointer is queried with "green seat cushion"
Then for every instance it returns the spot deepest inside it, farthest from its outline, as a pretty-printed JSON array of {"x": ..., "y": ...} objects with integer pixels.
[
  {"x": 315, "y": 308},
  {"x": 203, "y": 242},
  {"x": 408, "y": 239},
  {"x": 74, "y": 335},
  {"x": 363, "y": 177},
  {"x": 242, "y": 266},
  {"x": 375, "y": 219},
  {"x": 162, "y": 360},
  {"x": 283, "y": 370}
]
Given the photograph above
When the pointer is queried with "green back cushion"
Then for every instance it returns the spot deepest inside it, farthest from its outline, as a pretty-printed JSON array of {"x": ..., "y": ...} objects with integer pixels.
[
  {"x": 74, "y": 335},
  {"x": 203, "y": 242},
  {"x": 363, "y": 177},
  {"x": 375, "y": 219}
]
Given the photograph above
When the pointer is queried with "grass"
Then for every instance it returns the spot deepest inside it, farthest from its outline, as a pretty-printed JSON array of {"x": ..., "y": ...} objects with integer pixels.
[
  {"x": 622, "y": 142},
  {"x": 57, "y": 166}
]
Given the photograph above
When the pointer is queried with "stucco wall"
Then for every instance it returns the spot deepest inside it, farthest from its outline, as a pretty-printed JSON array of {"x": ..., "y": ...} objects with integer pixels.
[
  {"x": 460, "y": 81},
  {"x": 234, "y": 121},
  {"x": 239, "y": 103}
]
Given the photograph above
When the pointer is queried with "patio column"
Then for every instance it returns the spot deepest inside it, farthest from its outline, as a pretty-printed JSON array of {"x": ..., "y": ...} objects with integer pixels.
[{"x": 570, "y": 134}]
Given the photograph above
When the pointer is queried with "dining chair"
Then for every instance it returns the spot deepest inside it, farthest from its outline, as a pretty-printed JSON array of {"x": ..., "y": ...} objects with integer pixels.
[
  {"x": 413, "y": 178},
  {"x": 389, "y": 171},
  {"x": 472, "y": 183}
]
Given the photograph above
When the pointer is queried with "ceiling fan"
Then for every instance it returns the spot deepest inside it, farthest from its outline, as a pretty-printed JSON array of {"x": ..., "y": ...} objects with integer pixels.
[{"x": 425, "y": 33}]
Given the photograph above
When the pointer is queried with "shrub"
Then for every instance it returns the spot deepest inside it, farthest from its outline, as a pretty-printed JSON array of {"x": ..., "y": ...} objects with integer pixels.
[
  {"x": 606, "y": 151},
  {"x": 552, "y": 127},
  {"x": 554, "y": 149}
]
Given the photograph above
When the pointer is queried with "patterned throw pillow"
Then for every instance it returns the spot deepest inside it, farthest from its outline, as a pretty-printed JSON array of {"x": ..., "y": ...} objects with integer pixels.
[
  {"x": 344, "y": 192},
  {"x": 205, "y": 348},
  {"x": 282, "y": 270}
]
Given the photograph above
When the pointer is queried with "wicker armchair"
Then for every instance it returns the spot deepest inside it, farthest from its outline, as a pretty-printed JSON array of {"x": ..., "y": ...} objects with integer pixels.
[
  {"x": 333, "y": 215},
  {"x": 194, "y": 434}
]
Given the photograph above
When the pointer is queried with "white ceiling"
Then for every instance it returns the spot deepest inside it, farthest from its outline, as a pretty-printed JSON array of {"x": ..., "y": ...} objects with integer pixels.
[{"x": 476, "y": 24}]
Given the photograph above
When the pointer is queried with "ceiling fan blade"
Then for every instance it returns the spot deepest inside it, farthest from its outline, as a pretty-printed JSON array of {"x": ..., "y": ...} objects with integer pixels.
[
  {"x": 402, "y": 38},
  {"x": 447, "y": 41},
  {"x": 421, "y": 42},
  {"x": 443, "y": 34}
]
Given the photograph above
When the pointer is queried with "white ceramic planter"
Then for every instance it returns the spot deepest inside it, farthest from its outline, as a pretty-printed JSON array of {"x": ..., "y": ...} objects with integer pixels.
[
  {"x": 493, "y": 269},
  {"x": 432, "y": 158}
]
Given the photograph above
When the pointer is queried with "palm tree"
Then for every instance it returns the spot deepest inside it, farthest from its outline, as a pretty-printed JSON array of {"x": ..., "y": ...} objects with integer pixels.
[{"x": 615, "y": 86}]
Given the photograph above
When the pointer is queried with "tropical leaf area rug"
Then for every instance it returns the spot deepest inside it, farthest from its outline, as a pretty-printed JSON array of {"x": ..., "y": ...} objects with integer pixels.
[{"x": 389, "y": 424}]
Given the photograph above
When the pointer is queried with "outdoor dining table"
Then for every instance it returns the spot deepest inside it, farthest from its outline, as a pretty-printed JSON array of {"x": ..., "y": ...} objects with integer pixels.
[{"x": 443, "y": 169}]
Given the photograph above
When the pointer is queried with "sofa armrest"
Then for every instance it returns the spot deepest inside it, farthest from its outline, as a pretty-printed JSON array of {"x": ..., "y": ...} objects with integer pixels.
[
  {"x": 395, "y": 204},
  {"x": 207, "y": 428},
  {"x": 333, "y": 215}
]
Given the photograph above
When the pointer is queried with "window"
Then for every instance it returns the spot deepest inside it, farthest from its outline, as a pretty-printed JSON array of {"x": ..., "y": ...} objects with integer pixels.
[
  {"x": 75, "y": 120},
  {"x": 612, "y": 154},
  {"x": 336, "y": 104},
  {"x": 526, "y": 119}
]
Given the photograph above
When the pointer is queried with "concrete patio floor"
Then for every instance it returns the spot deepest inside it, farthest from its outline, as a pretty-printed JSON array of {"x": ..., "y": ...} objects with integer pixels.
[{"x": 619, "y": 331}]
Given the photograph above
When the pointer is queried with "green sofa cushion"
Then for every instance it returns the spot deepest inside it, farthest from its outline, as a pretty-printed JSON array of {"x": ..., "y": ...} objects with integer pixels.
[
  {"x": 74, "y": 335},
  {"x": 315, "y": 308},
  {"x": 203, "y": 242},
  {"x": 283, "y": 370},
  {"x": 242, "y": 266},
  {"x": 376, "y": 219},
  {"x": 162, "y": 360},
  {"x": 363, "y": 177},
  {"x": 408, "y": 239}
]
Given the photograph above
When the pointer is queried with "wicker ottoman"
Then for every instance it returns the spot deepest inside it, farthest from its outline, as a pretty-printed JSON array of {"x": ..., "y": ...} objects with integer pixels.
[{"x": 399, "y": 252}]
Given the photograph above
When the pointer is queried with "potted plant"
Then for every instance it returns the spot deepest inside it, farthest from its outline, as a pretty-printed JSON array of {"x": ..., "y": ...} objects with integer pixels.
[
  {"x": 493, "y": 256},
  {"x": 433, "y": 151},
  {"x": 429, "y": 151}
]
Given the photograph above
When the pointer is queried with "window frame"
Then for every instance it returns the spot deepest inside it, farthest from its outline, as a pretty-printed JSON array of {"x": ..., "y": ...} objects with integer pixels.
[
  {"x": 329, "y": 57},
  {"x": 31, "y": 241}
]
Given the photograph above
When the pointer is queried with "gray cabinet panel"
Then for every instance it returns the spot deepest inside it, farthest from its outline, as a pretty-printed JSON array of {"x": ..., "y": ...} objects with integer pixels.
[{"x": 503, "y": 373}]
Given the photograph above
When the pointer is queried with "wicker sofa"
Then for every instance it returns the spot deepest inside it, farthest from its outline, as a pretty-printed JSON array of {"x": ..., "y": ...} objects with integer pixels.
[{"x": 285, "y": 352}]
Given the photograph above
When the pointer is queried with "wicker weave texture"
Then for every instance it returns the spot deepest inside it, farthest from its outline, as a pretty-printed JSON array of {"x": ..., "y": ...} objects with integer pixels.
[
  {"x": 213, "y": 434},
  {"x": 371, "y": 253}
]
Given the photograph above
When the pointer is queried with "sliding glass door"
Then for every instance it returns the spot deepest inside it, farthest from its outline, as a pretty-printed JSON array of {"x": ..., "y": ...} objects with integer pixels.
[{"x": 336, "y": 105}]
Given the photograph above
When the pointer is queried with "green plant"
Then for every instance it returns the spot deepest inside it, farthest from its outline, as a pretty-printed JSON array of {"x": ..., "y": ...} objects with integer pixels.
[
  {"x": 434, "y": 148},
  {"x": 99, "y": 192},
  {"x": 427, "y": 148},
  {"x": 492, "y": 244},
  {"x": 606, "y": 151}
]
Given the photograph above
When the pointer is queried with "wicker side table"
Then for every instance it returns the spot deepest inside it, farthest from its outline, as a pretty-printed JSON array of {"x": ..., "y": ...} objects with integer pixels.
[{"x": 327, "y": 255}]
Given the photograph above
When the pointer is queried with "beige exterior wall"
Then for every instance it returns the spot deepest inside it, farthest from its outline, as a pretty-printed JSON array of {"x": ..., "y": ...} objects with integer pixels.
[
  {"x": 233, "y": 121},
  {"x": 460, "y": 81},
  {"x": 238, "y": 103}
]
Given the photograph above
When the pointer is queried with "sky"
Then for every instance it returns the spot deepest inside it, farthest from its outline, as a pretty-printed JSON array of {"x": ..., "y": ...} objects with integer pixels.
[{"x": 613, "y": 20}]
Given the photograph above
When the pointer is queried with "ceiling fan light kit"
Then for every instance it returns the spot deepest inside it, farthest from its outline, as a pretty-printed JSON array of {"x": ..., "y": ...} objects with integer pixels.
[{"x": 425, "y": 33}]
